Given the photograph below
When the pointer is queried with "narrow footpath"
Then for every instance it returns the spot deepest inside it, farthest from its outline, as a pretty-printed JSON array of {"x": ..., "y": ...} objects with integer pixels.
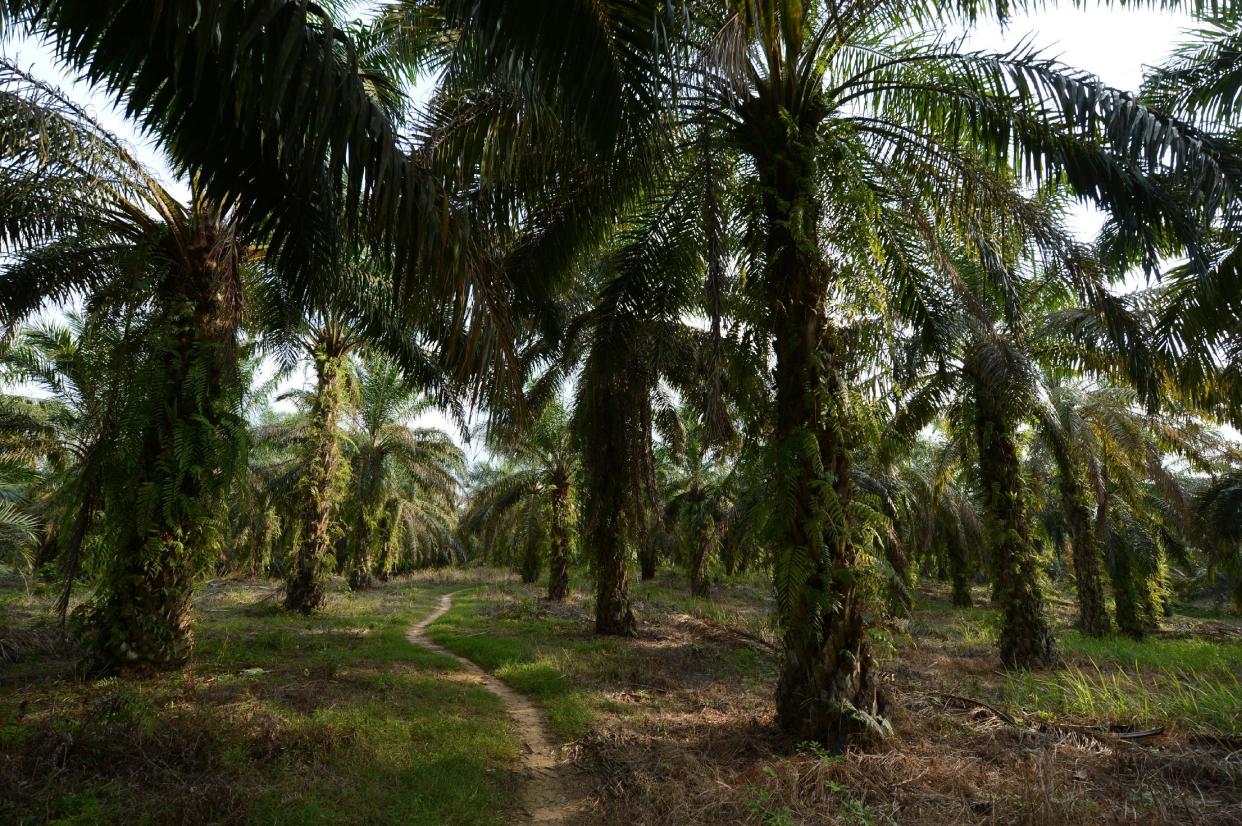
[{"x": 547, "y": 797}]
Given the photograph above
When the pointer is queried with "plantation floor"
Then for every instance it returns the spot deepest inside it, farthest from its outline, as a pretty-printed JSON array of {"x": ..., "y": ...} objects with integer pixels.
[
  {"x": 279, "y": 719},
  {"x": 342, "y": 719},
  {"x": 675, "y": 727}
]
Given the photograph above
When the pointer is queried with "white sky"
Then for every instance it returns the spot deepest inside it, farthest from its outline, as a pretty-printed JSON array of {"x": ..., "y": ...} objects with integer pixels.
[{"x": 1112, "y": 44}]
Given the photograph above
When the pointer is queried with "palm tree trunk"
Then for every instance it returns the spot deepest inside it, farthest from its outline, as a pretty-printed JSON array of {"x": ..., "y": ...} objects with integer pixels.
[
  {"x": 614, "y": 394},
  {"x": 558, "y": 555},
  {"x": 1125, "y": 593},
  {"x": 362, "y": 538},
  {"x": 192, "y": 442},
  {"x": 648, "y": 557},
  {"x": 531, "y": 561},
  {"x": 699, "y": 585},
  {"x": 1025, "y": 639},
  {"x": 360, "y": 577},
  {"x": 1092, "y": 613},
  {"x": 959, "y": 574},
  {"x": 306, "y": 581},
  {"x": 826, "y": 691}
]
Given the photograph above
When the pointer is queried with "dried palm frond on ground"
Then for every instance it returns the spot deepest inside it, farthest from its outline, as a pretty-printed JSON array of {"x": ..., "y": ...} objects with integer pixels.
[{"x": 682, "y": 731}]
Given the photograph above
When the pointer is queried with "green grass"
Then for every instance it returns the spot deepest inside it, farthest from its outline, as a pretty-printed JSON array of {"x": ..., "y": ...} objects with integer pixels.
[
  {"x": 346, "y": 722},
  {"x": 1193, "y": 701},
  {"x": 525, "y": 650},
  {"x": 1188, "y": 683},
  {"x": 1182, "y": 654},
  {"x": 1182, "y": 682}
]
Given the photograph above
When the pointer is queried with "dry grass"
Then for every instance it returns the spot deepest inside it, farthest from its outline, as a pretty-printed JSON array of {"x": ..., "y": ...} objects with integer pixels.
[{"x": 683, "y": 733}]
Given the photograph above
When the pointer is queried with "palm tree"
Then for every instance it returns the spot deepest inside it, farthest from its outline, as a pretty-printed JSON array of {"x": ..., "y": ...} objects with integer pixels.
[
  {"x": 699, "y": 499},
  {"x": 175, "y": 272},
  {"x": 1068, "y": 426},
  {"x": 983, "y": 362},
  {"x": 850, "y": 132},
  {"x": 536, "y": 485},
  {"x": 1218, "y": 509},
  {"x": 25, "y": 438},
  {"x": 1198, "y": 302},
  {"x": 323, "y": 475},
  {"x": 936, "y": 515},
  {"x": 65, "y": 439},
  {"x": 860, "y": 137},
  {"x": 401, "y": 477}
]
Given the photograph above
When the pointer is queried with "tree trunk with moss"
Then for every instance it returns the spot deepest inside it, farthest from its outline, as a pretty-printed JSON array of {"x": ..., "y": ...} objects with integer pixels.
[
  {"x": 531, "y": 560},
  {"x": 322, "y": 483},
  {"x": 1125, "y": 593},
  {"x": 1085, "y": 547},
  {"x": 704, "y": 539},
  {"x": 558, "y": 552},
  {"x": 959, "y": 573},
  {"x": 827, "y": 691},
  {"x": 192, "y": 441},
  {"x": 1026, "y": 641},
  {"x": 648, "y": 557},
  {"x": 389, "y": 529},
  {"x": 367, "y": 525}
]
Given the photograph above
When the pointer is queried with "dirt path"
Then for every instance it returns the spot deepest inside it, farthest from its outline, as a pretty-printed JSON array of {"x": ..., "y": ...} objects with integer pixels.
[{"x": 550, "y": 795}]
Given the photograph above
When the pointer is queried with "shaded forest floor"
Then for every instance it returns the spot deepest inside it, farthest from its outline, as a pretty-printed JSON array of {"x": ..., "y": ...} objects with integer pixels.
[{"x": 346, "y": 722}]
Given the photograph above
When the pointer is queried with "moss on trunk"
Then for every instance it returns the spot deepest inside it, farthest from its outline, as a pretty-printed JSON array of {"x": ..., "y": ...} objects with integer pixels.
[
  {"x": 1026, "y": 641},
  {"x": 1093, "y": 616},
  {"x": 323, "y": 479},
  {"x": 166, "y": 510},
  {"x": 826, "y": 692}
]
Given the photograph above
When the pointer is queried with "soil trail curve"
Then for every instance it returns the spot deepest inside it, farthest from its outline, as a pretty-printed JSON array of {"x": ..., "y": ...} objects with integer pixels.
[{"x": 549, "y": 796}]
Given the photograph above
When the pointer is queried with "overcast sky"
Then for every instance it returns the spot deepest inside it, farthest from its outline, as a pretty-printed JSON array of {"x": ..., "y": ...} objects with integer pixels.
[{"x": 1112, "y": 44}]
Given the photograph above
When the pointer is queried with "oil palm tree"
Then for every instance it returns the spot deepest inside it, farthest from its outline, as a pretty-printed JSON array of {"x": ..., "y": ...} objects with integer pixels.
[
  {"x": 935, "y": 513},
  {"x": 859, "y": 136},
  {"x": 819, "y": 101},
  {"x": 1198, "y": 303},
  {"x": 65, "y": 438},
  {"x": 1218, "y": 510},
  {"x": 394, "y": 468},
  {"x": 535, "y": 487},
  {"x": 698, "y": 499},
  {"x": 174, "y": 272},
  {"x": 322, "y": 476},
  {"x": 1067, "y": 425}
]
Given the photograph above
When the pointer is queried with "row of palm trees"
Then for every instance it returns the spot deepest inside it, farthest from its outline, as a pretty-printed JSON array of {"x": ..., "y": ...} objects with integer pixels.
[{"x": 808, "y": 230}]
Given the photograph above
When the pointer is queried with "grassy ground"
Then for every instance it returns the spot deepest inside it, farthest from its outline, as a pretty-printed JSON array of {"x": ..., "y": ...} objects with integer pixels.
[
  {"x": 346, "y": 722},
  {"x": 675, "y": 727},
  {"x": 279, "y": 719},
  {"x": 1186, "y": 678}
]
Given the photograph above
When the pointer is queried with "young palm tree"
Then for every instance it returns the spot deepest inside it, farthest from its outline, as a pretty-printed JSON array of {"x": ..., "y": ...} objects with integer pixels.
[
  {"x": 1218, "y": 510},
  {"x": 936, "y": 515},
  {"x": 698, "y": 499},
  {"x": 80, "y": 365},
  {"x": 535, "y": 484},
  {"x": 400, "y": 476}
]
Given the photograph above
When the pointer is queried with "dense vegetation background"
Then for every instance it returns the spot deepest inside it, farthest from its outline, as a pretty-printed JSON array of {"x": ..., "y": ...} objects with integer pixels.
[{"x": 778, "y": 360}]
